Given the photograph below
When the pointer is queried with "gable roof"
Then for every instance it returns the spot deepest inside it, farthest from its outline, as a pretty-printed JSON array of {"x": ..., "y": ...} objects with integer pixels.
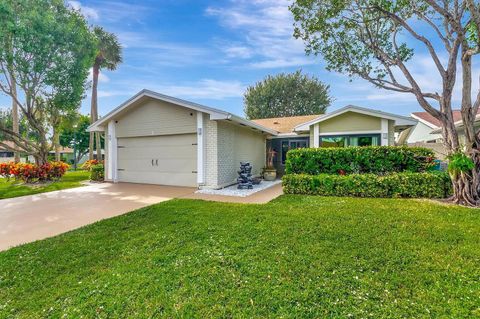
[
  {"x": 458, "y": 124},
  {"x": 285, "y": 124},
  {"x": 399, "y": 119},
  {"x": 432, "y": 122},
  {"x": 215, "y": 114}
]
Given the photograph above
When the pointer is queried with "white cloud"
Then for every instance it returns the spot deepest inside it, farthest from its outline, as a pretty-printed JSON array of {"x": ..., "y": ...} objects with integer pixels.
[
  {"x": 88, "y": 12},
  {"x": 238, "y": 51},
  {"x": 266, "y": 27},
  {"x": 102, "y": 78},
  {"x": 205, "y": 89}
]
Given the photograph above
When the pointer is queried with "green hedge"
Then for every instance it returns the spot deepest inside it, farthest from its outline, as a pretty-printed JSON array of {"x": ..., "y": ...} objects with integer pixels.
[
  {"x": 378, "y": 160},
  {"x": 97, "y": 173},
  {"x": 413, "y": 185}
]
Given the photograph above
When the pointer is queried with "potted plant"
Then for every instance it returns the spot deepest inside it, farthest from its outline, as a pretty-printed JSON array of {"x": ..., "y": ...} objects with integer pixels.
[{"x": 270, "y": 172}]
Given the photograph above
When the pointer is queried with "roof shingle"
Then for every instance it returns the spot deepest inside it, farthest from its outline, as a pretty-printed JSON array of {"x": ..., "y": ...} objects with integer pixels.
[{"x": 285, "y": 124}]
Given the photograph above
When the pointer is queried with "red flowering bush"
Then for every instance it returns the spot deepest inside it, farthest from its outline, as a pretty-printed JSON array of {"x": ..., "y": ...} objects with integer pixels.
[
  {"x": 6, "y": 169},
  {"x": 30, "y": 173},
  {"x": 88, "y": 164}
]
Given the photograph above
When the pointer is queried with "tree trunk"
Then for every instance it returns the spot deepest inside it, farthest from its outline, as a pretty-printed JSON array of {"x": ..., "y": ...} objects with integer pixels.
[
  {"x": 15, "y": 125},
  {"x": 56, "y": 144},
  {"x": 98, "y": 146},
  {"x": 94, "y": 110},
  {"x": 90, "y": 145}
]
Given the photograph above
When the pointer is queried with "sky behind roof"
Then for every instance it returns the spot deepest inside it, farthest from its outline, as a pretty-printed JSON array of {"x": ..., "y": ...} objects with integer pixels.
[{"x": 209, "y": 51}]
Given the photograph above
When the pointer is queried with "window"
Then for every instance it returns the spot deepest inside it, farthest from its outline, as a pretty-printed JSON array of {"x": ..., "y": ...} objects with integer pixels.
[
  {"x": 350, "y": 140},
  {"x": 333, "y": 141},
  {"x": 6, "y": 154},
  {"x": 291, "y": 145}
]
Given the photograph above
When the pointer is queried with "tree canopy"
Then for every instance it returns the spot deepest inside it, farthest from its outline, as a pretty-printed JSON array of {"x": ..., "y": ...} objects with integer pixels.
[
  {"x": 375, "y": 40},
  {"x": 47, "y": 49},
  {"x": 286, "y": 94}
]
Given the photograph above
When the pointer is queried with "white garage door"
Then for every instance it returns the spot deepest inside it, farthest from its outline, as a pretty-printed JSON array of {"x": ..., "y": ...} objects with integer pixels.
[{"x": 163, "y": 160}]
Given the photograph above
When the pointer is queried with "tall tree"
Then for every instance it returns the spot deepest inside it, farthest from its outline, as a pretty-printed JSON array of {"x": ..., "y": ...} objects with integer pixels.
[
  {"x": 52, "y": 50},
  {"x": 108, "y": 56},
  {"x": 286, "y": 94},
  {"x": 375, "y": 40}
]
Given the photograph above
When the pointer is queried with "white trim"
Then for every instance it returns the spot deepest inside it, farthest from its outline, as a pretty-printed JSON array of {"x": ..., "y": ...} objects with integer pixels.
[
  {"x": 402, "y": 120},
  {"x": 316, "y": 135},
  {"x": 350, "y": 133},
  {"x": 384, "y": 133},
  {"x": 112, "y": 173},
  {"x": 288, "y": 135},
  {"x": 200, "y": 149},
  {"x": 427, "y": 123}
]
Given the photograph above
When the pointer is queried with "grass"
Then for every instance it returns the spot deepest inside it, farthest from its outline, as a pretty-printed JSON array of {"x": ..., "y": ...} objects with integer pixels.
[
  {"x": 9, "y": 189},
  {"x": 296, "y": 257}
]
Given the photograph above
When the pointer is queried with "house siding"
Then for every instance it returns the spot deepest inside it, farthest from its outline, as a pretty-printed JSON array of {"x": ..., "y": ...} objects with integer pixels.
[
  {"x": 154, "y": 117},
  {"x": 237, "y": 144},
  {"x": 211, "y": 151},
  {"x": 349, "y": 122}
]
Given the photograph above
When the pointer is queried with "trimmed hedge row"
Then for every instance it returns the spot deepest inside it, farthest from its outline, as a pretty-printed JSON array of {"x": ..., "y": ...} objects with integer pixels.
[
  {"x": 378, "y": 160},
  {"x": 412, "y": 185}
]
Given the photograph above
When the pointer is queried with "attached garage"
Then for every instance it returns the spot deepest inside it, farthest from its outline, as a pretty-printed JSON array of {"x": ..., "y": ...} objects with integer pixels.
[
  {"x": 165, "y": 160},
  {"x": 157, "y": 139}
]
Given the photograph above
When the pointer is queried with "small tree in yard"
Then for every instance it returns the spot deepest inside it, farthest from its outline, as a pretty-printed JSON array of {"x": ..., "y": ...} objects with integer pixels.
[
  {"x": 47, "y": 50},
  {"x": 75, "y": 132},
  {"x": 286, "y": 95},
  {"x": 374, "y": 39}
]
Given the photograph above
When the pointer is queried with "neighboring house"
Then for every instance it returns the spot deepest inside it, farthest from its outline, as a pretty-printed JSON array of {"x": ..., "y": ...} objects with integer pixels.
[
  {"x": 460, "y": 128},
  {"x": 66, "y": 154},
  {"x": 6, "y": 155},
  {"x": 157, "y": 139},
  {"x": 427, "y": 133}
]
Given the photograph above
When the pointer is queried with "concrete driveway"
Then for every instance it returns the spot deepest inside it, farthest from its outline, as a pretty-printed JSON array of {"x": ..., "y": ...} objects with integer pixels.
[{"x": 29, "y": 218}]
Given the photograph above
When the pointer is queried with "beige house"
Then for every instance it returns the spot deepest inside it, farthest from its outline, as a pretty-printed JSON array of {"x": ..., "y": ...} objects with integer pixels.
[{"x": 157, "y": 139}]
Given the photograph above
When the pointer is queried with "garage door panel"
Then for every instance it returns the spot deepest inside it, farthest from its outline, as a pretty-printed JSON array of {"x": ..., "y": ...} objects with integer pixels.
[
  {"x": 164, "y": 140},
  {"x": 157, "y": 152},
  {"x": 174, "y": 179},
  {"x": 175, "y": 155},
  {"x": 165, "y": 165}
]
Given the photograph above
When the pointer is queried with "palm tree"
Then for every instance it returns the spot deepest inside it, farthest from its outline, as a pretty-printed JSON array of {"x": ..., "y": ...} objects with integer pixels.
[{"x": 109, "y": 55}]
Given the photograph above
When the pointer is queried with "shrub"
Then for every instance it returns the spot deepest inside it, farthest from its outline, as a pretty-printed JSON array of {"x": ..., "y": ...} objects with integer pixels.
[
  {"x": 30, "y": 173},
  {"x": 97, "y": 172},
  {"x": 379, "y": 160},
  {"x": 413, "y": 185},
  {"x": 6, "y": 169},
  {"x": 88, "y": 164}
]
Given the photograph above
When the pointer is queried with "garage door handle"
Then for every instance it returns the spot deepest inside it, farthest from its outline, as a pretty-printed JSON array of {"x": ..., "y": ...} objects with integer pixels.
[
  {"x": 156, "y": 162},
  {"x": 152, "y": 162}
]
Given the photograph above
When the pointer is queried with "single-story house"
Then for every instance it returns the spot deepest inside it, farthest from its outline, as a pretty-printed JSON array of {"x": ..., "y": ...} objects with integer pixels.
[{"x": 158, "y": 139}]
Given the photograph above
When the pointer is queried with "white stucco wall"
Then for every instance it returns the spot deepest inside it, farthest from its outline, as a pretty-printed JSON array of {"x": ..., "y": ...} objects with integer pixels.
[{"x": 421, "y": 133}]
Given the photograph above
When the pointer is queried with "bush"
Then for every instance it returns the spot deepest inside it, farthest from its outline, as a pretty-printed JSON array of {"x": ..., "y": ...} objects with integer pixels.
[
  {"x": 413, "y": 185},
  {"x": 88, "y": 164},
  {"x": 97, "y": 172},
  {"x": 378, "y": 160},
  {"x": 30, "y": 173}
]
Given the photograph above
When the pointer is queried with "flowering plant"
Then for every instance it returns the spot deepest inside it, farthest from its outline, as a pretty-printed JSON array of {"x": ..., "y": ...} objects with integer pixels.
[
  {"x": 88, "y": 164},
  {"x": 29, "y": 173}
]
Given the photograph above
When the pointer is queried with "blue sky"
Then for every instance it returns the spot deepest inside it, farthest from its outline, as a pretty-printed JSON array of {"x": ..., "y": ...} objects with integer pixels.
[{"x": 209, "y": 51}]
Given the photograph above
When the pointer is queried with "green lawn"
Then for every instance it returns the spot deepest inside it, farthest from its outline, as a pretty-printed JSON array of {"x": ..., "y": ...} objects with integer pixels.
[
  {"x": 69, "y": 180},
  {"x": 296, "y": 257}
]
